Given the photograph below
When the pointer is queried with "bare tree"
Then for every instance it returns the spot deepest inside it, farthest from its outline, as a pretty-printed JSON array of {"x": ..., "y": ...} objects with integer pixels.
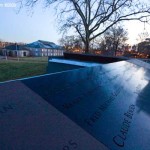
[
  {"x": 67, "y": 42},
  {"x": 115, "y": 37},
  {"x": 71, "y": 42},
  {"x": 91, "y": 18}
]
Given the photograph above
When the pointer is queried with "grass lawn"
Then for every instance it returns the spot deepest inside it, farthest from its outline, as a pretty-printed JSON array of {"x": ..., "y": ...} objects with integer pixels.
[
  {"x": 12, "y": 69},
  {"x": 30, "y": 59}
]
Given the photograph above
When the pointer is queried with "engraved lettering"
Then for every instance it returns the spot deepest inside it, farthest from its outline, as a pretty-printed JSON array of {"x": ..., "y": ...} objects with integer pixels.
[{"x": 121, "y": 137}]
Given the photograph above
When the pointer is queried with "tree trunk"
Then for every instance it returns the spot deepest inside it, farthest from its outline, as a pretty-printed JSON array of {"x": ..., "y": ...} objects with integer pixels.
[
  {"x": 116, "y": 48},
  {"x": 87, "y": 47},
  {"x": 87, "y": 40}
]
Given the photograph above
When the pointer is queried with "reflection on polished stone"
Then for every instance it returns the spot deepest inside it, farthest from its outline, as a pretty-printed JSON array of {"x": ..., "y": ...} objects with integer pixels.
[
  {"x": 110, "y": 102},
  {"x": 142, "y": 102}
]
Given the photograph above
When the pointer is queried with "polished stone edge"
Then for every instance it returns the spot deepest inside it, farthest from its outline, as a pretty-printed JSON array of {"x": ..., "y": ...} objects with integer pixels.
[
  {"x": 74, "y": 62},
  {"x": 139, "y": 63}
]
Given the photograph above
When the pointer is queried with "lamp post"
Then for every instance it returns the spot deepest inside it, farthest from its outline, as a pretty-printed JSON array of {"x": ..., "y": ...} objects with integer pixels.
[
  {"x": 5, "y": 52},
  {"x": 17, "y": 52}
]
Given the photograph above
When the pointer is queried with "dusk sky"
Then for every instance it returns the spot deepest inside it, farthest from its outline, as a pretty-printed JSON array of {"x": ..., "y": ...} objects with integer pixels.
[
  {"x": 42, "y": 25},
  {"x": 27, "y": 27}
]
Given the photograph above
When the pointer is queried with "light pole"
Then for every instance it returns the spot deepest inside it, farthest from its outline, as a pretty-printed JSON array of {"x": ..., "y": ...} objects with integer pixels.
[
  {"x": 5, "y": 52},
  {"x": 17, "y": 52}
]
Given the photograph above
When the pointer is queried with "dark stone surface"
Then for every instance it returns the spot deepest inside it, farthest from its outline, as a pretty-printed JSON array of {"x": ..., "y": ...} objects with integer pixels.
[
  {"x": 93, "y": 58},
  {"x": 110, "y": 102},
  {"x": 58, "y": 67},
  {"x": 28, "y": 122}
]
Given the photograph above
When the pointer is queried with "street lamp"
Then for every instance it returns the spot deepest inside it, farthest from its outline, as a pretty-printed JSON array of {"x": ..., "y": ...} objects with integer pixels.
[
  {"x": 5, "y": 52},
  {"x": 17, "y": 52}
]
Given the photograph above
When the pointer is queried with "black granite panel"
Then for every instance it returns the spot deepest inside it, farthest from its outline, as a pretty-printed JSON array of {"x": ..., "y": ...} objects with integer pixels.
[
  {"x": 28, "y": 122},
  {"x": 93, "y": 58},
  {"x": 111, "y": 102}
]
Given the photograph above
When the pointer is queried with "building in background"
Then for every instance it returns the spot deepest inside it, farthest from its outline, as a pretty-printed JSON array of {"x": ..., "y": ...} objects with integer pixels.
[
  {"x": 3, "y": 45},
  {"x": 45, "y": 48},
  {"x": 144, "y": 48},
  {"x": 16, "y": 50}
]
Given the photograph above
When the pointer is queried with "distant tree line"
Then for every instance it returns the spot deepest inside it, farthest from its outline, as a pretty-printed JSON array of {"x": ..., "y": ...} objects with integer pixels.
[{"x": 112, "y": 40}]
